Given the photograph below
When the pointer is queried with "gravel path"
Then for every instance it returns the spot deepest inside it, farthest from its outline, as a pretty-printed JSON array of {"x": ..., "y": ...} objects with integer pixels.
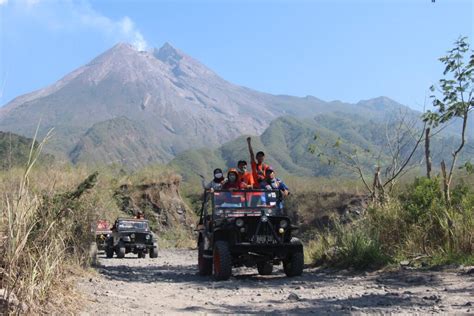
[{"x": 170, "y": 284}]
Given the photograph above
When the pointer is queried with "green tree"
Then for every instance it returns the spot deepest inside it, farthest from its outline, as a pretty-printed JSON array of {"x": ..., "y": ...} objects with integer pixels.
[{"x": 453, "y": 99}]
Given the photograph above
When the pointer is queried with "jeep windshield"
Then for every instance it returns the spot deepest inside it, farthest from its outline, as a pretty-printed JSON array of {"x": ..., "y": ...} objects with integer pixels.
[
  {"x": 247, "y": 201},
  {"x": 132, "y": 225}
]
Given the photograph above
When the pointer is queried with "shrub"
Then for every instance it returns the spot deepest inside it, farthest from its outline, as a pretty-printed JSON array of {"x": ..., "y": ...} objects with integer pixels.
[
  {"x": 417, "y": 223},
  {"x": 421, "y": 198},
  {"x": 348, "y": 246}
]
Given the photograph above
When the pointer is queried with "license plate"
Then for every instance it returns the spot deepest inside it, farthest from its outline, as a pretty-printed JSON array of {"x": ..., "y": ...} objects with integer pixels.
[{"x": 263, "y": 239}]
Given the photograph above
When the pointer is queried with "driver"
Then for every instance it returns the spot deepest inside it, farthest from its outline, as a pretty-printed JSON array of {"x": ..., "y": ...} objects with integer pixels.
[{"x": 140, "y": 215}]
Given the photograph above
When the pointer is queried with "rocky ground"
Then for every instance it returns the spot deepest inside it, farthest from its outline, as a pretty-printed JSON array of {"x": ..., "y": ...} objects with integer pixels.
[{"x": 170, "y": 284}]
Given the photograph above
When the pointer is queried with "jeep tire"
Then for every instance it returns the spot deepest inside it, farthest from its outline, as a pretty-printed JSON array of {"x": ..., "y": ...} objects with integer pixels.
[
  {"x": 265, "y": 267},
  {"x": 141, "y": 254},
  {"x": 222, "y": 261},
  {"x": 293, "y": 265},
  {"x": 120, "y": 250},
  {"x": 154, "y": 251},
  {"x": 204, "y": 264},
  {"x": 109, "y": 250}
]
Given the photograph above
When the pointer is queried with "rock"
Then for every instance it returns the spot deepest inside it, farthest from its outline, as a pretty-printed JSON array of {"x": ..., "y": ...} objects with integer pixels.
[
  {"x": 293, "y": 297},
  {"x": 404, "y": 263},
  {"x": 432, "y": 298},
  {"x": 468, "y": 304}
]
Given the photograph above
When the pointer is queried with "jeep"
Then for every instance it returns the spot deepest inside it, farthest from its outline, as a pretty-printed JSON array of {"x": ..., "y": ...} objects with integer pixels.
[
  {"x": 102, "y": 232},
  {"x": 131, "y": 236},
  {"x": 246, "y": 228}
]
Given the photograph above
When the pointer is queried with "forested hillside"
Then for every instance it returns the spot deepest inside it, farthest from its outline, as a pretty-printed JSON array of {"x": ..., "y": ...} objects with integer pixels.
[
  {"x": 321, "y": 146},
  {"x": 15, "y": 150}
]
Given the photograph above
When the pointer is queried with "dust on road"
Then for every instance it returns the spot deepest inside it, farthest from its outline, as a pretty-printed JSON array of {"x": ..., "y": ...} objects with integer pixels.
[{"x": 170, "y": 284}]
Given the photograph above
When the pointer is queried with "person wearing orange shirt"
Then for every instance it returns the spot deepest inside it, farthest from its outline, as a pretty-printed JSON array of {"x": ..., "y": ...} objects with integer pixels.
[
  {"x": 258, "y": 166},
  {"x": 245, "y": 176}
]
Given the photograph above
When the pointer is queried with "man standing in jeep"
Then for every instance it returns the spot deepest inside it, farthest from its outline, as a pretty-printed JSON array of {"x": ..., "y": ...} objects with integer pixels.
[{"x": 258, "y": 166}]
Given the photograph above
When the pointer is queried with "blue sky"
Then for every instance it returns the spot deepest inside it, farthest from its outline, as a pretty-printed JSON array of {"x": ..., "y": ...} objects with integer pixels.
[{"x": 334, "y": 50}]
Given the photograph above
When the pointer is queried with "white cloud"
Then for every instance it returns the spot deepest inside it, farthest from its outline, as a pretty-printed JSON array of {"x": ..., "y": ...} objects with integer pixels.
[{"x": 75, "y": 15}]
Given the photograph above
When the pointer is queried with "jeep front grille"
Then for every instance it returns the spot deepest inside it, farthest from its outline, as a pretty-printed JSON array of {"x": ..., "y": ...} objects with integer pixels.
[
  {"x": 140, "y": 238},
  {"x": 267, "y": 231}
]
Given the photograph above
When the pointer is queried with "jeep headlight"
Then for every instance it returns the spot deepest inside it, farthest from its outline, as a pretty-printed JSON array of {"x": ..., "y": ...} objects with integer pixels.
[
  {"x": 147, "y": 237},
  {"x": 132, "y": 236},
  {"x": 264, "y": 219},
  {"x": 219, "y": 212},
  {"x": 283, "y": 223},
  {"x": 126, "y": 238},
  {"x": 239, "y": 222}
]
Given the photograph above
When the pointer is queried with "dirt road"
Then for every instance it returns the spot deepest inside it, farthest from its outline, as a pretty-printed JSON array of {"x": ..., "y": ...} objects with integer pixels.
[{"x": 170, "y": 284}]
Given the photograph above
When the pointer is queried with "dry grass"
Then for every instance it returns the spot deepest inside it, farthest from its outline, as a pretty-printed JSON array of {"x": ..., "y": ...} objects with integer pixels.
[{"x": 45, "y": 229}]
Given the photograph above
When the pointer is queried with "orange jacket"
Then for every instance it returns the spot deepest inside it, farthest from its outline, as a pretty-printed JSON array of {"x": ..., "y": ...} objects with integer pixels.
[
  {"x": 258, "y": 171},
  {"x": 247, "y": 178}
]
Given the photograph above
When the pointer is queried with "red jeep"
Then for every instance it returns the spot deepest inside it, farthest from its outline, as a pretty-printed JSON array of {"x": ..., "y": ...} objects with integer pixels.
[{"x": 102, "y": 231}]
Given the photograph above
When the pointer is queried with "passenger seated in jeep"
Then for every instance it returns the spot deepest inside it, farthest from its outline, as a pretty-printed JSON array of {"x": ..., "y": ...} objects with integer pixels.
[
  {"x": 271, "y": 182},
  {"x": 233, "y": 181},
  {"x": 245, "y": 176},
  {"x": 217, "y": 182}
]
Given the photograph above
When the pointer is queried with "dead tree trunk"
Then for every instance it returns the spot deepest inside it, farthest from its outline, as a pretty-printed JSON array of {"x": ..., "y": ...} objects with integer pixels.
[
  {"x": 447, "y": 196},
  {"x": 378, "y": 194},
  {"x": 427, "y": 153}
]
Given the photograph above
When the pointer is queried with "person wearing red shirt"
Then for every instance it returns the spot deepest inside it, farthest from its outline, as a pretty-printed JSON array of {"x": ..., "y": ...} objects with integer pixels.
[
  {"x": 258, "y": 166},
  {"x": 233, "y": 181}
]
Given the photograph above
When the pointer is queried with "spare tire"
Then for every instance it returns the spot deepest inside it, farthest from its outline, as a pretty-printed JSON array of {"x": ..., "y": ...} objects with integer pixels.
[{"x": 265, "y": 268}]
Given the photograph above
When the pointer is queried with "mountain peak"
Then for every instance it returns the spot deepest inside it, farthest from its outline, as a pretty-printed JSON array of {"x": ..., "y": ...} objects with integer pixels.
[
  {"x": 168, "y": 54},
  {"x": 121, "y": 46},
  {"x": 118, "y": 52}
]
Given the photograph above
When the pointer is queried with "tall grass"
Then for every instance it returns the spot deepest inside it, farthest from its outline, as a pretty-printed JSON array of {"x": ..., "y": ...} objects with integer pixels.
[{"x": 43, "y": 234}]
